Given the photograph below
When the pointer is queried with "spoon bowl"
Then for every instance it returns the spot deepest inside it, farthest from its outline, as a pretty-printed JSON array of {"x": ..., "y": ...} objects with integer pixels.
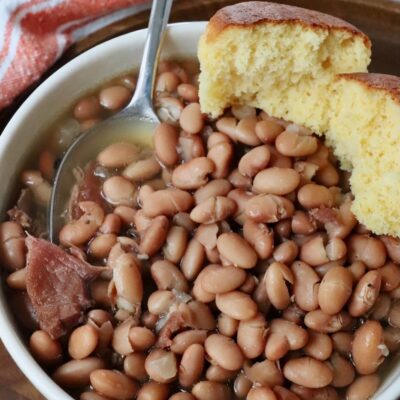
[{"x": 136, "y": 120}]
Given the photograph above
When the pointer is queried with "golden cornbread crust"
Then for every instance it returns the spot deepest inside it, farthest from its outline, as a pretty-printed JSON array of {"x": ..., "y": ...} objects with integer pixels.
[
  {"x": 258, "y": 12},
  {"x": 384, "y": 82}
]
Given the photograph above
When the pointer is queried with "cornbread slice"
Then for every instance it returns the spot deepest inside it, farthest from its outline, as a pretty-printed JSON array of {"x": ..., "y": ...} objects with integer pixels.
[
  {"x": 364, "y": 131},
  {"x": 271, "y": 55}
]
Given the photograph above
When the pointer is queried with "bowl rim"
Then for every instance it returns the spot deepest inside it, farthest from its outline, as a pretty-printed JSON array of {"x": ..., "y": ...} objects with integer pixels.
[{"x": 9, "y": 334}]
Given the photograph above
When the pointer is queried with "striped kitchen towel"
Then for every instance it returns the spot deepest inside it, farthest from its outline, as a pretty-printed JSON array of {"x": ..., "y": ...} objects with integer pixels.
[{"x": 34, "y": 34}]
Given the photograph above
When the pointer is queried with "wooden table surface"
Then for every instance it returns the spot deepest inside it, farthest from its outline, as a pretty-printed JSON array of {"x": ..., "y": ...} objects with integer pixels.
[{"x": 380, "y": 20}]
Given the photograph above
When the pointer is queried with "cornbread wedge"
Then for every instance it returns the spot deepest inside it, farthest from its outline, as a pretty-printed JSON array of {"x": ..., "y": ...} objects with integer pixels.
[
  {"x": 278, "y": 58},
  {"x": 364, "y": 131}
]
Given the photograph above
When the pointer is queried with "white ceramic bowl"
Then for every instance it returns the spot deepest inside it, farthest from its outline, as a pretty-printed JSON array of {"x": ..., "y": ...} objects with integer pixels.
[{"x": 31, "y": 122}]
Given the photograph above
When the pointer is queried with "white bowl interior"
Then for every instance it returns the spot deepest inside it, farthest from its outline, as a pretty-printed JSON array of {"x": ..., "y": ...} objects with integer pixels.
[{"x": 31, "y": 123}]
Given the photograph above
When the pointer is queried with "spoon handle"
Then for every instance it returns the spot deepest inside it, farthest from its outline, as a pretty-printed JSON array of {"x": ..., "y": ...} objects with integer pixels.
[{"x": 142, "y": 99}]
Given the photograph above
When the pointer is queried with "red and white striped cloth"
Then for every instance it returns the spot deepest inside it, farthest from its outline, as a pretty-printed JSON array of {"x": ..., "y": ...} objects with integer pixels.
[{"x": 34, "y": 34}]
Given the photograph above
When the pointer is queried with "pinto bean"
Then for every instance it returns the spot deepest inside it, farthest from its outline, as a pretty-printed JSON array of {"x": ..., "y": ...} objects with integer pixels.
[
  {"x": 113, "y": 384},
  {"x": 296, "y": 336},
  {"x": 188, "y": 92},
  {"x": 142, "y": 170},
  {"x": 260, "y": 237},
  {"x": 183, "y": 219},
  {"x": 191, "y": 366},
  {"x": 251, "y": 336},
  {"x": 263, "y": 373},
  {"x": 267, "y": 130},
  {"x": 12, "y": 246},
  {"x": 313, "y": 252},
  {"x": 216, "y": 187},
  {"x": 118, "y": 191},
  {"x": 363, "y": 387},
  {"x": 285, "y": 394},
  {"x": 168, "y": 276},
  {"x": 114, "y": 97},
  {"x": 236, "y": 250},
  {"x": 192, "y": 174},
  {"x": 392, "y": 247},
  {"x": 169, "y": 109},
  {"x": 342, "y": 342},
  {"x": 175, "y": 244},
  {"x": 141, "y": 338},
  {"x": 92, "y": 396},
  {"x": 160, "y": 301},
  {"x": 318, "y": 321},
  {"x": 17, "y": 279},
  {"x": 335, "y": 290},
  {"x": 46, "y": 350},
  {"x": 118, "y": 155},
  {"x": 153, "y": 391},
  {"x": 343, "y": 371},
  {"x": 237, "y": 305},
  {"x": 227, "y": 325},
  {"x": 217, "y": 137},
  {"x": 319, "y": 346},
  {"x": 183, "y": 340},
  {"x": 283, "y": 228},
  {"x": 303, "y": 223},
  {"x": 111, "y": 224},
  {"x": 86, "y": 108},
  {"x": 153, "y": 238},
  {"x": 101, "y": 245},
  {"x": 82, "y": 342},
  {"x": 127, "y": 283},
  {"x": 294, "y": 314},
  {"x": 161, "y": 365},
  {"x": 274, "y": 180},
  {"x": 276, "y": 347},
  {"x": 221, "y": 155},
  {"x": 241, "y": 198},
  {"x": 276, "y": 277},
  {"x": 261, "y": 393},
  {"x": 239, "y": 181},
  {"x": 286, "y": 252},
  {"x": 213, "y": 210},
  {"x": 325, "y": 393},
  {"x": 293, "y": 144},
  {"x": 76, "y": 373},
  {"x": 167, "y": 202},
  {"x": 191, "y": 119},
  {"x": 190, "y": 146},
  {"x": 78, "y": 232},
  {"x": 368, "y": 349},
  {"x": 370, "y": 250},
  {"x": 314, "y": 196},
  {"x": 207, "y": 390},
  {"x": 245, "y": 131},
  {"x": 254, "y": 161},
  {"x": 357, "y": 270},
  {"x": 215, "y": 373},
  {"x": 308, "y": 372},
  {"x": 306, "y": 286},
  {"x": 393, "y": 316},
  {"x": 269, "y": 208},
  {"x": 390, "y": 274},
  {"x": 126, "y": 214},
  {"x": 222, "y": 279},
  {"x": 241, "y": 385},
  {"x": 134, "y": 366},
  {"x": 193, "y": 259},
  {"x": 365, "y": 293}
]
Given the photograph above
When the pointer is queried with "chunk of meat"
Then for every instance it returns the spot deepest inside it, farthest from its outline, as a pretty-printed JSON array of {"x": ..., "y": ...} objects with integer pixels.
[
  {"x": 56, "y": 283},
  {"x": 175, "y": 323},
  {"x": 88, "y": 188}
]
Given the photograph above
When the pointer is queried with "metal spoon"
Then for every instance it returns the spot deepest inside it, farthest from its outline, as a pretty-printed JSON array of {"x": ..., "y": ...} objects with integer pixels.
[{"x": 138, "y": 113}]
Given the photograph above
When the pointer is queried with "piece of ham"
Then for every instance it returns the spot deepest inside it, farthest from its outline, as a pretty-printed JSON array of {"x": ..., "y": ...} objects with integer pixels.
[{"x": 56, "y": 283}]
